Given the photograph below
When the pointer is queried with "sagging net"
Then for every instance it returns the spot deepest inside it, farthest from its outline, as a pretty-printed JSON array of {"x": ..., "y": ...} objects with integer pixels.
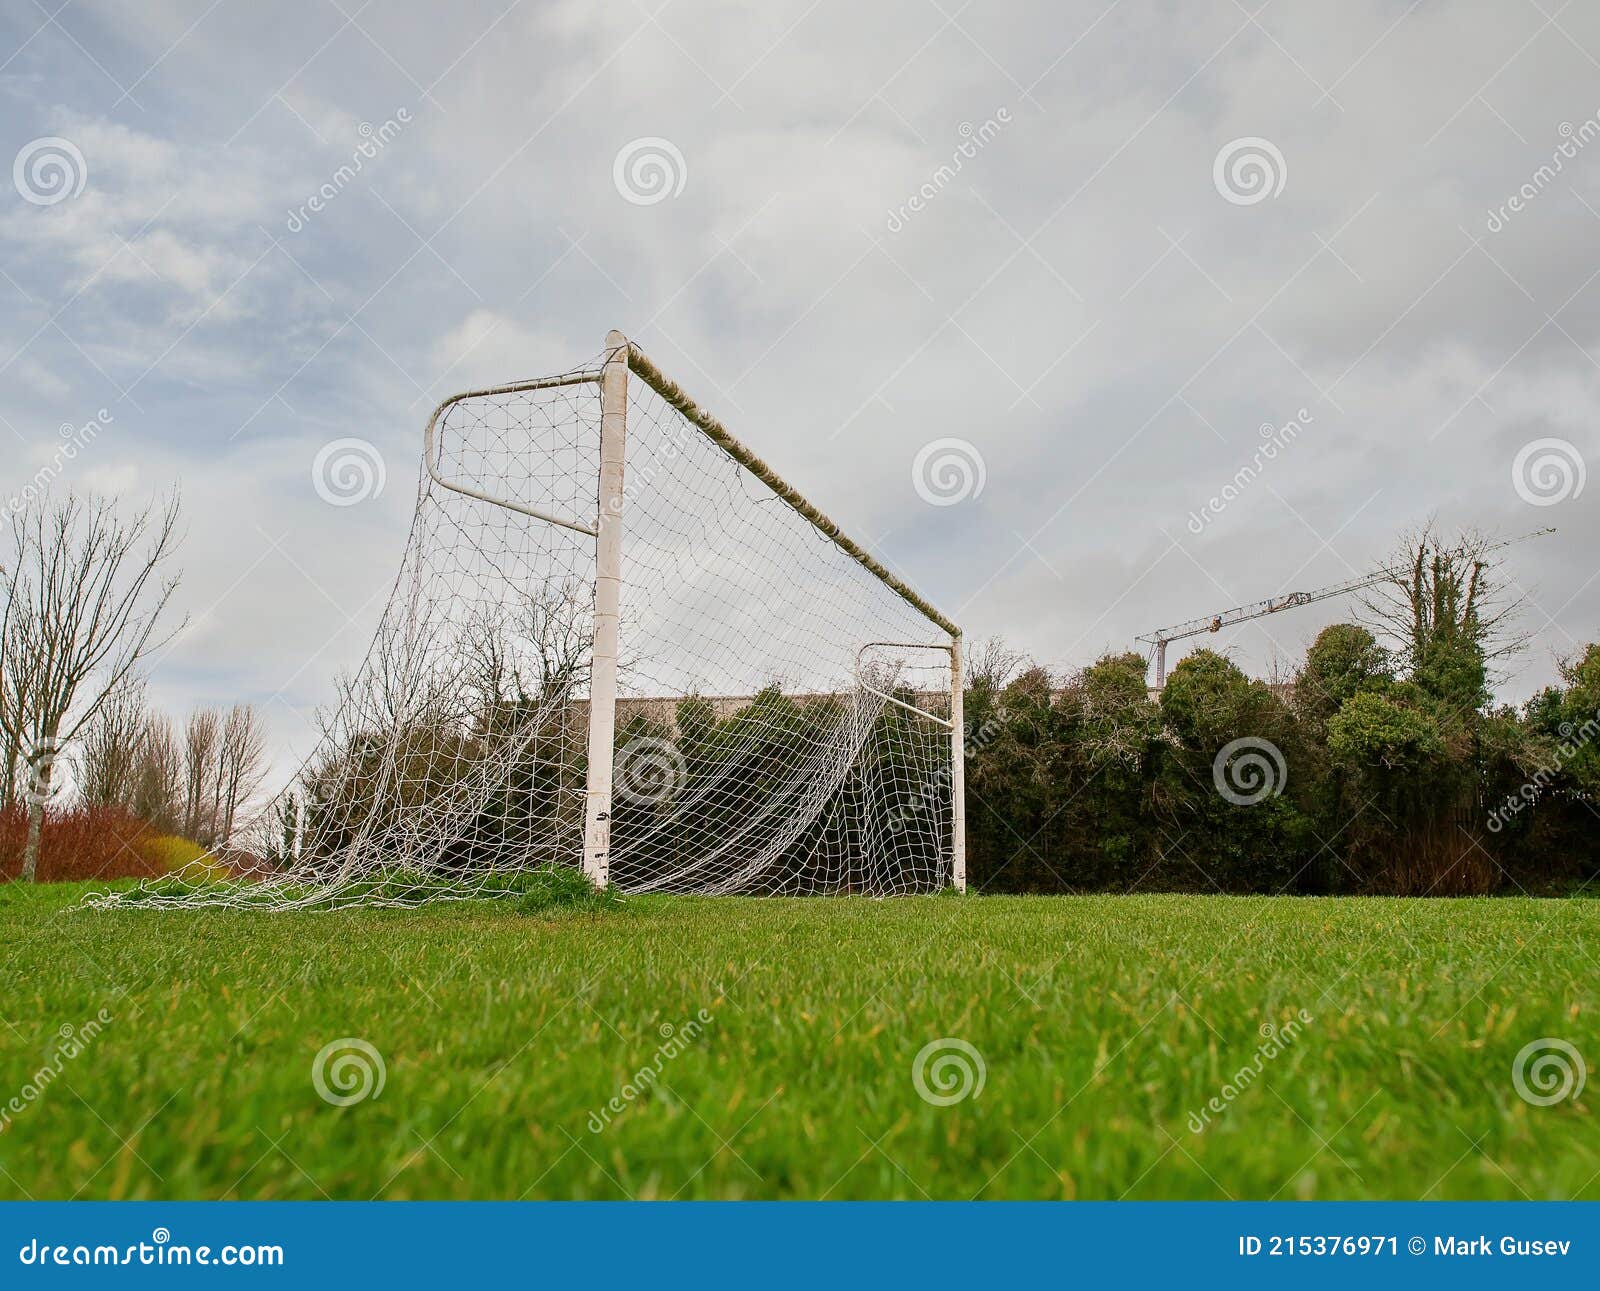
[{"x": 758, "y": 747}]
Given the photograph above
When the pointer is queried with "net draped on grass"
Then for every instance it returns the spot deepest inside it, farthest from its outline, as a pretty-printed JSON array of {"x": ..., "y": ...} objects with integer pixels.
[{"x": 782, "y": 712}]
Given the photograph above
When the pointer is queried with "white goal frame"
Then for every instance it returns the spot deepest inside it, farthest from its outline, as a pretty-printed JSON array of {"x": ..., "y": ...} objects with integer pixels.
[{"x": 622, "y": 359}]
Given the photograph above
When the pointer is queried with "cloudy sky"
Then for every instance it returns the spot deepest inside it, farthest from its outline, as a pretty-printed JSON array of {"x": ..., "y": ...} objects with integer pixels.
[{"x": 1101, "y": 244}]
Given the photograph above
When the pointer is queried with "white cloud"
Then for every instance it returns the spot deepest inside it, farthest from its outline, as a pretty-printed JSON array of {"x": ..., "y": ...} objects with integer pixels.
[{"x": 1080, "y": 303}]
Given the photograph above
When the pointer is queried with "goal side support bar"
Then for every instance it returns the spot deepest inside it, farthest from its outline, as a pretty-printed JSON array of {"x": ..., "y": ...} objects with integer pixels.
[
  {"x": 956, "y": 725},
  {"x": 430, "y": 450}
]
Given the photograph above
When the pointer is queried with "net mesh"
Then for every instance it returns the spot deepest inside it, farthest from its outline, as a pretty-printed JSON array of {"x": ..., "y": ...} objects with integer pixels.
[{"x": 781, "y": 712}]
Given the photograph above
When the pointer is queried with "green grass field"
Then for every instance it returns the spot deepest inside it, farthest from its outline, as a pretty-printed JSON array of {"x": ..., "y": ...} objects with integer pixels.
[{"x": 1104, "y": 1025}]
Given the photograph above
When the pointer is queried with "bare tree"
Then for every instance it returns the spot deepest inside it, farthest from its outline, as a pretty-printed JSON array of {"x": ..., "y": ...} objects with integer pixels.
[
  {"x": 1449, "y": 612},
  {"x": 242, "y": 766},
  {"x": 158, "y": 785},
  {"x": 85, "y": 595},
  {"x": 111, "y": 748},
  {"x": 202, "y": 742},
  {"x": 10, "y": 702},
  {"x": 993, "y": 664},
  {"x": 557, "y": 624},
  {"x": 489, "y": 668},
  {"x": 517, "y": 662}
]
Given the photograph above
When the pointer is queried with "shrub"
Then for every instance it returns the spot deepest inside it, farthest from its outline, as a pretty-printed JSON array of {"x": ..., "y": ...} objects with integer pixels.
[
  {"x": 170, "y": 852},
  {"x": 1373, "y": 732},
  {"x": 1343, "y": 660},
  {"x": 556, "y": 887},
  {"x": 80, "y": 843}
]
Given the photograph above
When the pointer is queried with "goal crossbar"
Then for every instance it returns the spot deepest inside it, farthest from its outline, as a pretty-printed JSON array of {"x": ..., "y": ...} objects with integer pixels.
[{"x": 719, "y": 434}]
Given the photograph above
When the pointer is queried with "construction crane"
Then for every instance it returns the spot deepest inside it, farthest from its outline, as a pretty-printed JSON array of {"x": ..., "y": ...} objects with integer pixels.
[{"x": 1162, "y": 637}]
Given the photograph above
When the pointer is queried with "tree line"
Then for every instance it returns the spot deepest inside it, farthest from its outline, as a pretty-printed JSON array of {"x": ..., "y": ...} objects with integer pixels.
[
  {"x": 85, "y": 600},
  {"x": 193, "y": 779},
  {"x": 1380, "y": 764}
]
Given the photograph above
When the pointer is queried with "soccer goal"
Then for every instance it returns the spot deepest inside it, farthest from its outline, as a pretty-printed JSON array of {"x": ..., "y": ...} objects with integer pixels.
[{"x": 619, "y": 641}]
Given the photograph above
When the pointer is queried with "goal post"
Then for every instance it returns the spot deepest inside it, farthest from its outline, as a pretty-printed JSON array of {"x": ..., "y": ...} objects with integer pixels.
[
  {"x": 607, "y": 608},
  {"x": 619, "y": 642},
  {"x": 958, "y": 766}
]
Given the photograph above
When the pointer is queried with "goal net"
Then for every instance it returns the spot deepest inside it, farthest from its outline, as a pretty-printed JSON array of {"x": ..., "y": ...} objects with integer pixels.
[{"x": 619, "y": 642}]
